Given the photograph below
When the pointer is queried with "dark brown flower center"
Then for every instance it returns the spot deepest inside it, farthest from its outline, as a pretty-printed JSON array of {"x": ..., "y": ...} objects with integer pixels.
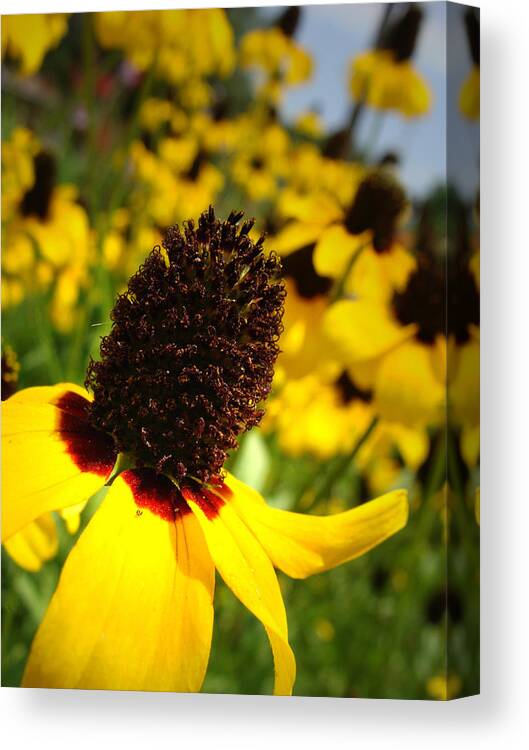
[
  {"x": 378, "y": 205},
  {"x": 349, "y": 391},
  {"x": 400, "y": 36},
  {"x": 439, "y": 304},
  {"x": 190, "y": 356},
  {"x": 299, "y": 267},
  {"x": 36, "y": 201}
]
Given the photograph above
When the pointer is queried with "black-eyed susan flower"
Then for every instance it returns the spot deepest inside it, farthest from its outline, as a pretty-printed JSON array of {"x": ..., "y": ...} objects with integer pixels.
[
  {"x": 274, "y": 52},
  {"x": 29, "y": 37},
  {"x": 304, "y": 350},
  {"x": 259, "y": 164},
  {"x": 322, "y": 417},
  {"x": 357, "y": 245},
  {"x": 47, "y": 241},
  {"x": 469, "y": 98},
  {"x": 399, "y": 349},
  {"x": 184, "y": 46},
  {"x": 384, "y": 77},
  {"x": 184, "y": 370}
]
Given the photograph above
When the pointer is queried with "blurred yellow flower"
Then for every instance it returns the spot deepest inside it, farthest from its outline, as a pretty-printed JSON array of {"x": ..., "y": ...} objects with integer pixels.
[
  {"x": 46, "y": 235},
  {"x": 274, "y": 52},
  {"x": 384, "y": 78},
  {"x": 386, "y": 84},
  {"x": 184, "y": 45},
  {"x": 28, "y": 38}
]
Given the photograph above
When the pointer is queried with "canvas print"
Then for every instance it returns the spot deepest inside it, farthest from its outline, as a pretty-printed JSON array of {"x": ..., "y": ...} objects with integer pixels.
[{"x": 240, "y": 350}]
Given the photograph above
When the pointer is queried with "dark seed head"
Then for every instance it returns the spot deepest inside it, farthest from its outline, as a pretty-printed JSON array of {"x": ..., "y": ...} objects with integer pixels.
[
  {"x": 472, "y": 29},
  {"x": 36, "y": 201},
  {"x": 349, "y": 391},
  {"x": 400, "y": 37},
  {"x": 190, "y": 356},
  {"x": 439, "y": 303},
  {"x": 288, "y": 21},
  {"x": 379, "y": 203},
  {"x": 299, "y": 267}
]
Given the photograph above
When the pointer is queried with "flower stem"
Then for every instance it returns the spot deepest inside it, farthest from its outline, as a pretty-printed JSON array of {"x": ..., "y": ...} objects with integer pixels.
[{"x": 342, "y": 463}]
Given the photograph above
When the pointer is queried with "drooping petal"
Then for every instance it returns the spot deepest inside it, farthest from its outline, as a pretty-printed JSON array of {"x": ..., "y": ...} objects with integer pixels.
[
  {"x": 51, "y": 457},
  {"x": 133, "y": 609},
  {"x": 248, "y": 572},
  {"x": 34, "y": 544},
  {"x": 301, "y": 545}
]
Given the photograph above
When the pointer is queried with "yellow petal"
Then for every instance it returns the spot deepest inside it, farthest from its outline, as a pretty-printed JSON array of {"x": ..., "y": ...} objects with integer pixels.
[
  {"x": 248, "y": 572},
  {"x": 463, "y": 385},
  {"x": 301, "y": 545},
  {"x": 378, "y": 275},
  {"x": 51, "y": 457},
  {"x": 334, "y": 250},
  {"x": 362, "y": 330},
  {"x": 294, "y": 236},
  {"x": 407, "y": 389},
  {"x": 134, "y": 606},
  {"x": 34, "y": 544}
]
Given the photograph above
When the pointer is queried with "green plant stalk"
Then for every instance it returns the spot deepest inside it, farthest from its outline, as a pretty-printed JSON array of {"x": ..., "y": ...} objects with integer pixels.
[{"x": 341, "y": 465}]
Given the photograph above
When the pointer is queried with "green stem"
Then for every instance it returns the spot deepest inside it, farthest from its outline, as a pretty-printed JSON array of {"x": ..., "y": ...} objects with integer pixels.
[
  {"x": 379, "y": 117},
  {"x": 343, "y": 463},
  {"x": 131, "y": 133},
  {"x": 45, "y": 335}
]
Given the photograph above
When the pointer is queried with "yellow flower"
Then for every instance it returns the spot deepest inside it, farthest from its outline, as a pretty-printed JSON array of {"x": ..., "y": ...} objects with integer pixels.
[
  {"x": 310, "y": 124},
  {"x": 311, "y": 417},
  {"x": 384, "y": 78},
  {"x": 259, "y": 163},
  {"x": 46, "y": 234},
  {"x": 399, "y": 348},
  {"x": 28, "y": 38},
  {"x": 303, "y": 342},
  {"x": 279, "y": 58},
  {"x": 183, "y": 44},
  {"x": 169, "y": 187},
  {"x": 18, "y": 172},
  {"x": 386, "y": 84},
  {"x": 134, "y": 605},
  {"x": 356, "y": 246},
  {"x": 325, "y": 416}
]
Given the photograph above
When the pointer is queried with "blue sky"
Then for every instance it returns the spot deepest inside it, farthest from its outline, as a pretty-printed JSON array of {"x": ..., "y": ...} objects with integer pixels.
[{"x": 336, "y": 33}]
